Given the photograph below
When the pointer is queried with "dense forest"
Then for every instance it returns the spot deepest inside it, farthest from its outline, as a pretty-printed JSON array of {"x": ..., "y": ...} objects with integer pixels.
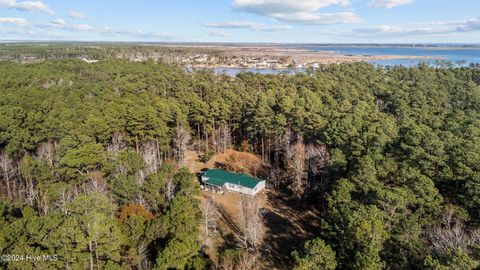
[
  {"x": 91, "y": 163},
  {"x": 36, "y": 52}
]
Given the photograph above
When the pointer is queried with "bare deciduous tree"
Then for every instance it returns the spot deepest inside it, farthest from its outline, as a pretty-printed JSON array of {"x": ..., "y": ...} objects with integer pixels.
[
  {"x": 242, "y": 260},
  {"x": 117, "y": 143},
  {"x": 66, "y": 197},
  {"x": 296, "y": 167},
  {"x": 169, "y": 189},
  {"x": 46, "y": 151},
  {"x": 180, "y": 142},
  {"x": 317, "y": 159},
  {"x": 300, "y": 165},
  {"x": 247, "y": 261},
  {"x": 451, "y": 233},
  {"x": 225, "y": 137},
  {"x": 150, "y": 153},
  {"x": 275, "y": 176},
  {"x": 250, "y": 220},
  {"x": 283, "y": 144},
  {"x": 8, "y": 172},
  {"x": 97, "y": 183},
  {"x": 210, "y": 217}
]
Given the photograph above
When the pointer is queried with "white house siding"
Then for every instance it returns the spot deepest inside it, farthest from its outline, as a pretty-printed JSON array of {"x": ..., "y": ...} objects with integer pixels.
[
  {"x": 238, "y": 188},
  {"x": 260, "y": 186},
  {"x": 245, "y": 190}
]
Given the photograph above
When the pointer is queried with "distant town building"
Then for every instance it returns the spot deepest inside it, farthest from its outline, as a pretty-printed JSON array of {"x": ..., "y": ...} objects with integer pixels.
[
  {"x": 89, "y": 61},
  {"x": 230, "y": 181}
]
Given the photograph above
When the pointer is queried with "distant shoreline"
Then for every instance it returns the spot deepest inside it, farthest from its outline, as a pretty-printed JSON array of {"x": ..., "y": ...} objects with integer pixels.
[
  {"x": 294, "y": 57},
  {"x": 239, "y": 56}
]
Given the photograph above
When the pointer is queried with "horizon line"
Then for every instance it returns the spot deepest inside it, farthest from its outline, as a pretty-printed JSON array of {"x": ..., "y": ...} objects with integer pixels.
[{"x": 241, "y": 43}]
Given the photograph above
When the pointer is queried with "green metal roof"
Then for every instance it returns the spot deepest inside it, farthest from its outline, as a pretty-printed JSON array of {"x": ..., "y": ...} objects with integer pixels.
[{"x": 219, "y": 178}]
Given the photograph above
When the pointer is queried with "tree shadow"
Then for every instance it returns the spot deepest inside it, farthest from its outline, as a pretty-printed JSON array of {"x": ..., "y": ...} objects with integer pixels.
[
  {"x": 229, "y": 242},
  {"x": 288, "y": 225},
  {"x": 220, "y": 165}
]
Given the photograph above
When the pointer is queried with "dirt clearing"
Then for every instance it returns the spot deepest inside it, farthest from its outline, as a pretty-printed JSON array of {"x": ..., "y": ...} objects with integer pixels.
[{"x": 286, "y": 226}]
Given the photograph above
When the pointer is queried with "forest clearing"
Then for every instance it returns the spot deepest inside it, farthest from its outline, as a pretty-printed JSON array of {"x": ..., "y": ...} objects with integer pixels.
[{"x": 285, "y": 227}]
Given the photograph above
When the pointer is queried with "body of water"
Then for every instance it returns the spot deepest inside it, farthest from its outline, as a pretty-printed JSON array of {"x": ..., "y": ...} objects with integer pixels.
[
  {"x": 456, "y": 55},
  {"x": 463, "y": 56}
]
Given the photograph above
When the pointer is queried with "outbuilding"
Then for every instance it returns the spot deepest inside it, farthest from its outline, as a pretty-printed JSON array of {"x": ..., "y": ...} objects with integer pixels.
[{"x": 242, "y": 183}]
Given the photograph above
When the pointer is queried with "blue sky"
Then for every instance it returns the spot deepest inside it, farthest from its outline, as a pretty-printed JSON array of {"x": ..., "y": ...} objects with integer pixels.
[{"x": 292, "y": 21}]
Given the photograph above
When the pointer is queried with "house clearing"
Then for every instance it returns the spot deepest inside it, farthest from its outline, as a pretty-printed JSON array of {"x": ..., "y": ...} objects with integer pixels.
[{"x": 223, "y": 180}]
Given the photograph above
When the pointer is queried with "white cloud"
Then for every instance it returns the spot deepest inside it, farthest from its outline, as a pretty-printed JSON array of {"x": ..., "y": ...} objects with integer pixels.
[
  {"x": 219, "y": 33},
  {"x": 59, "y": 21},
  {"x": 80, "y": 27},
  {"x": 109, "y": 31},
  {"x": 61, "y": 29},
  {"x": 389, "y": 3},
  {"x": 76, "y": 15},
  {"x": 34, "y": 6},
  {"x": 29, "y": 34},
  {"x": 248, "y": 25},
  {"x": 419, "y": 29},
  {"x": 469, "y": 25},
  {"x": 320, "y": 18},
  {"x": 63, "y": 25},
  {"x": 298, "y": 11},
  {"x": 27, "y": 6},
  {"x": 268, "y": 7},
  {"x": 21, "y": 22},
  {"x": 7, "y": 3}
]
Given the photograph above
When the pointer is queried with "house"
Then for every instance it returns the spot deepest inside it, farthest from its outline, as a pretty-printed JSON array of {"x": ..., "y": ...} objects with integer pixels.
[{"x": 230, "y": 181}]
